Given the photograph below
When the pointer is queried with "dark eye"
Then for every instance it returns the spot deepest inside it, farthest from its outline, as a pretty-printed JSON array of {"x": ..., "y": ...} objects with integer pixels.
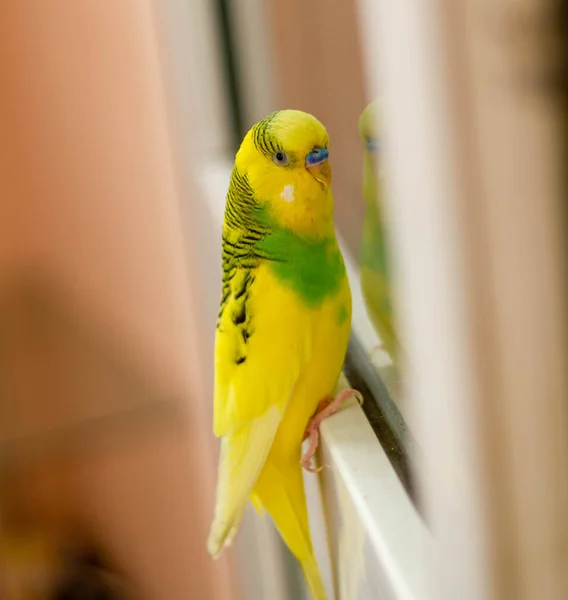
[
  {"x": 372, "y": 144},
  {"x": 280, "y": 158}
]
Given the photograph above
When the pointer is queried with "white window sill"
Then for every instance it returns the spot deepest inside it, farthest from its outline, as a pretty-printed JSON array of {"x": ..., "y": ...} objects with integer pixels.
[{"x": 374, "y": 534}]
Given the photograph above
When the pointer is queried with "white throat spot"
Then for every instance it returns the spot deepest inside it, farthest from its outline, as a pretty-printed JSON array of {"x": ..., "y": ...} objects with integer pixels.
[{"x": 288, "y": 193}]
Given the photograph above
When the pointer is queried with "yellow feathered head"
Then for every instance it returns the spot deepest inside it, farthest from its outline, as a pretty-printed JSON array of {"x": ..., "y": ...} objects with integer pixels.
[
  {"x": 369, "y": 125},
  {"x": 284, "y": 157},
  {"x": 370, "y": 134}
]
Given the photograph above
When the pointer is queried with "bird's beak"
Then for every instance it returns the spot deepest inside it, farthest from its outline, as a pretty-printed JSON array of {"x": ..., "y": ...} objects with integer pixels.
[{"x": 321, "y": 172}]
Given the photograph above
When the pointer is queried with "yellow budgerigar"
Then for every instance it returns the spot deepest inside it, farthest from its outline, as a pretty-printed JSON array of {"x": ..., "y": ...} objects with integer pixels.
[
  {"x": 373, "y": 259},
  {"x": 282, "y": 330}
]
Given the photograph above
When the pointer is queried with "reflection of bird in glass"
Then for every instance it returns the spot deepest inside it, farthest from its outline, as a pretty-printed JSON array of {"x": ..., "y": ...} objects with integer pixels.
[
  {"x": 282, "y": 331},
  {"x": 373, "y": 258}
]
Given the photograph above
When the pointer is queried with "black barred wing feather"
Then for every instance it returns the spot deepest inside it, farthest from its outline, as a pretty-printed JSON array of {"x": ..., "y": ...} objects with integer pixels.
[
  {"x": 258, "y": 356},
  {"x": 241, "y": 233}
]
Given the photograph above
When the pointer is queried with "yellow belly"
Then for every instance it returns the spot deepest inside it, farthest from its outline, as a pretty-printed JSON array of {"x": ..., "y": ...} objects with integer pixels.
[
  {"x": 329, "y": 332},
  {"x": 322, "y": 332}
]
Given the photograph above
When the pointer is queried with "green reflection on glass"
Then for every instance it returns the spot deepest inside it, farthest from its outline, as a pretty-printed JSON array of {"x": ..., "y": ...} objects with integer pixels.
[{"x": 373, "y": 258}]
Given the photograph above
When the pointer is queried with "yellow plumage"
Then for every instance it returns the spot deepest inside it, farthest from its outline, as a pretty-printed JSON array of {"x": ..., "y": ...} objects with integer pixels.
[{"x": 283, "y": 327}]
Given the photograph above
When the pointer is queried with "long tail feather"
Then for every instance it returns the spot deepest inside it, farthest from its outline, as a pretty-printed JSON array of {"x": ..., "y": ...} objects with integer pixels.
[
  {"x": 243, "y": 454},
  {"x": 280, "y": 490}
]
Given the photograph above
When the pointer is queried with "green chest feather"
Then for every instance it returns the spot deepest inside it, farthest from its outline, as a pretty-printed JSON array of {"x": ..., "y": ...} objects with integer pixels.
[{"x": 314, "y": 270}]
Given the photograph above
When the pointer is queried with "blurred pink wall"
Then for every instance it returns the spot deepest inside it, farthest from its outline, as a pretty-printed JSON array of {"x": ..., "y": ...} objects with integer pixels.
[{"x": 89, "y": 214}]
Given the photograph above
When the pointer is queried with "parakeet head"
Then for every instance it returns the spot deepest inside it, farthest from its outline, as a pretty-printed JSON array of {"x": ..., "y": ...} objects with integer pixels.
[
  {"x": 369, "y": 126},
  {"x": 285, "y": 159},
  {"x": 369, "y": 132}
]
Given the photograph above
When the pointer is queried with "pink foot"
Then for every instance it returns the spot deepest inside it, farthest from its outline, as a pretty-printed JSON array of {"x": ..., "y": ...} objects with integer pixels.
[{"x": 326, "y": 408}]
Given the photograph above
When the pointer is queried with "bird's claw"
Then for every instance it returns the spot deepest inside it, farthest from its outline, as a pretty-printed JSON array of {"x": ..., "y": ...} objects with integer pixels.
[{"x": 326, "y": 408}]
